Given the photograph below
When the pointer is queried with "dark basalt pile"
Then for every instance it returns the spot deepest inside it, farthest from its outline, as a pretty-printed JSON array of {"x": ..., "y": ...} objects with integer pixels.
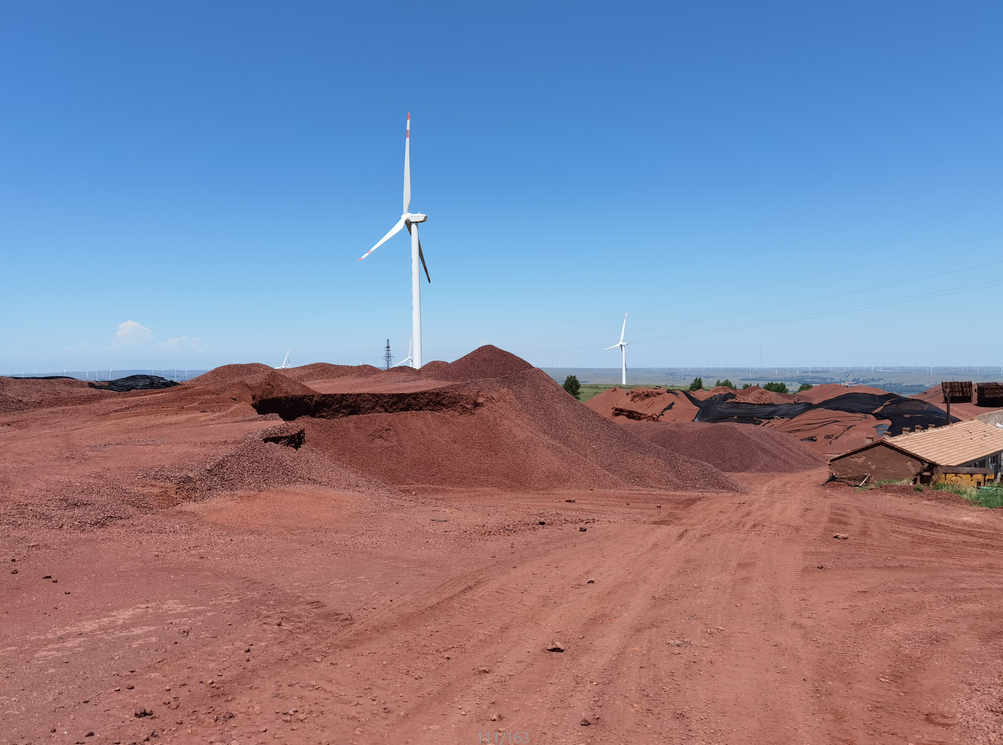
[{"x": 135, "y": 383}]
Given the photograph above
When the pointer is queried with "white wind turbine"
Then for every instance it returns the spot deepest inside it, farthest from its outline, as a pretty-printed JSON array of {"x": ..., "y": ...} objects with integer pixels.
[
  {"x": 410, "y": 220},
  {"x": 285, "y": 363},
  {"x": 407, "y": 359},
  {"x": 623, "y": 350}
]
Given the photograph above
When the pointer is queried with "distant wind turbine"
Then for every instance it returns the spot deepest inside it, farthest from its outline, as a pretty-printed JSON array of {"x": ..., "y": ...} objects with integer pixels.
[
  {"x": 407, "y": 359},
  {"x": 623, "y": 350},
  {"x": 410, "y": 220},
  {"x": 285, "y": 363}
]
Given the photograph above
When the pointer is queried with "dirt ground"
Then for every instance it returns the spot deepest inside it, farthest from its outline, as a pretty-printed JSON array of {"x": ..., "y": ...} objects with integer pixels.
[{"x": 305, "y": 613}]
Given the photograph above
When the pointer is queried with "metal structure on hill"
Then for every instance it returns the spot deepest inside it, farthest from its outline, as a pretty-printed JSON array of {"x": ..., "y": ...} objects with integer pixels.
[
  {"x": 285, "y": 363},
  {"x": 410, "y": 220},
  {"x": 387, "y": 357}
]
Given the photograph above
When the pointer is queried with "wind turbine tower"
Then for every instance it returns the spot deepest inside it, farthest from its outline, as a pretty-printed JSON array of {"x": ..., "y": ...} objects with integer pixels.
[
  {"x": 623, "y": 350},
  {"x": 410, "y": 220}
]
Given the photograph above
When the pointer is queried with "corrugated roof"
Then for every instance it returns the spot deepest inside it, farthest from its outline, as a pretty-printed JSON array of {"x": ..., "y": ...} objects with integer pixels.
[{"x": 952, "y": 445}]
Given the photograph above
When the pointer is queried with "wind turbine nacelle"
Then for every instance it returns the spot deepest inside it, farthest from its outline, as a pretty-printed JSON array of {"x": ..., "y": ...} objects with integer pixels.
[{"x": 416, "y": 217}]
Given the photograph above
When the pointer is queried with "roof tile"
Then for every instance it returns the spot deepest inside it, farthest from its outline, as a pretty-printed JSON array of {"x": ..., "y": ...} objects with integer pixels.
[{"x": 954, "y": 444}]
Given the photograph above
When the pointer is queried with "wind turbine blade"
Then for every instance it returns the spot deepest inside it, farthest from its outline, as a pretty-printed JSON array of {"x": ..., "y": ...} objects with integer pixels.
[
  {"x": 393, "y": 231},
  {"x": 424, "y": 265},
  {"x": 613, "y": 347},
  {"x": 407, "y": 164},
  {"x": 624, "y": 329}
]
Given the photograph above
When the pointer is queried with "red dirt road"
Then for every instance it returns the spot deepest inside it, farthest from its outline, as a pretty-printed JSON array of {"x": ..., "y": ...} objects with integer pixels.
[{"x": 420, "y": 619}]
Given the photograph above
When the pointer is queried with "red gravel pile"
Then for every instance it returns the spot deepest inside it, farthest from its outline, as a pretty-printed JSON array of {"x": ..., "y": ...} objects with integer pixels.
[
  {"x": 525, "y": 433},
  {"x": 511, "y": 428},
  {"x": 733, "y": 448},
  {"x": 27, "y": 394},
  {"x": 826, "y": 391},
  {"x": 644, "y": 404},
  {"x": 255, "y": 465},
  {"x": 757, "y": 395},
  {"x": 233, "y": 384},
  {"x": 324, "y": 371},
  {"x": 484, "y": 362}
]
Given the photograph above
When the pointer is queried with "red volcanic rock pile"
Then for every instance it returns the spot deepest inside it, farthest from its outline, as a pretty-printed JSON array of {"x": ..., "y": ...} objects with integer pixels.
[
  {"x": 731, "y": 448},
  {"x": 828, "y": 432},
  {"x": 644, "y": 404},
  {"x": 757, "y": 395},
  {"x": 512, "y": 427},
  {"x": 27, "y": 394},
  {"x": 824, "y": 392},
  {"x": 484, "y": 362},
  {"x": 488, "y": 420},
  {"x": 254, "y": 465}
]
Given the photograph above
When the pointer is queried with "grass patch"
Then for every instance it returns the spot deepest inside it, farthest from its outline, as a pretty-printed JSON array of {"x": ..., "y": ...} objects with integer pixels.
[{"x": 989, "y": 497}]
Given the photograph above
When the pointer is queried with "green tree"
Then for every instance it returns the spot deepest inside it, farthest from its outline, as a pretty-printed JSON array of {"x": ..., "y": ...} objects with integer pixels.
[
  {"x": 804, "y": 387},
  {"x": 746, "y": 385},
  {"x": 726, "y": 383},
  {"x": 776, "y": 387},
  {"x": 572, "y": 386},
  {"x": 697, "y": 384}
]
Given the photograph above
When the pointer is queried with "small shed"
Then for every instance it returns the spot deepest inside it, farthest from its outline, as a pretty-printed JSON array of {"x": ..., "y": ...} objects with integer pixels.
[{"x": 924, "y": 456}]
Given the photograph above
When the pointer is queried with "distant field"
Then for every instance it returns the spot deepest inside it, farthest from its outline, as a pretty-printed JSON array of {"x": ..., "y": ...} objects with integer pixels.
[{"x": 906, "y": 381}]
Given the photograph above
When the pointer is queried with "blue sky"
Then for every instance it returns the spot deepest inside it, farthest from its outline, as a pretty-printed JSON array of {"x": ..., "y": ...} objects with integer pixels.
[{"x": 191, "y": 184}]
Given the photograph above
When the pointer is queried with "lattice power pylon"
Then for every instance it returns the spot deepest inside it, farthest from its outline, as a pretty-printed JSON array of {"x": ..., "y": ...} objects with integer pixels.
[{"x": 388, "y": 359}]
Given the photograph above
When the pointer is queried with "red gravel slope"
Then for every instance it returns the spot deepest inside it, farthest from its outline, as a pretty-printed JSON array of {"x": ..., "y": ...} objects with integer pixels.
[{"x": 730, "y": 447}]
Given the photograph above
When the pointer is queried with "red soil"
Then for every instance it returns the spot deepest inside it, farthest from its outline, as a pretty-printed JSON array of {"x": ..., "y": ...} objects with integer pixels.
[
  {"x": 647, "y": 404},
  {"x": 25, "y": 394},
  {"x": 730, "y": 447},
  {"x": 179, "y": 579},
  {"x": 829, "y": 433},
  {"x": 824, "y": 392}
]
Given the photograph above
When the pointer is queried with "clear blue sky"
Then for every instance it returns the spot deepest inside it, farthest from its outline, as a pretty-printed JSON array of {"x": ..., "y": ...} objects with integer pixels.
[{"x": 791, "y": 175}]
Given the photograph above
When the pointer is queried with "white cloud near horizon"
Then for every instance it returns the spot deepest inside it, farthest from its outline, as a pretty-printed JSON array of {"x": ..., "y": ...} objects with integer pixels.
[{"x": 131, "y": 334}]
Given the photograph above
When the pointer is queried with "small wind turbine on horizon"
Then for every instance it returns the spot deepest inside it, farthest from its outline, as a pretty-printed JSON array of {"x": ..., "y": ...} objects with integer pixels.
[
  {"x": 410, "y": 220},
  {"x": 623, "y": 350},
  {"x": 285, "y": 363},
  {"x": 407, "y": 359}
]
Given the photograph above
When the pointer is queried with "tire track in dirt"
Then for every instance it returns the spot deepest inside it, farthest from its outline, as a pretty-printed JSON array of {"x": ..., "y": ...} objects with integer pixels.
[{"x": 621, "y": 669}]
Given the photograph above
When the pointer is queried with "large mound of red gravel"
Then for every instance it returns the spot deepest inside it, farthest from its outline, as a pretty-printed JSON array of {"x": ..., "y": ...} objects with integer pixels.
[
  {"x": 495, "y": 422},
  {"x": 26, "y": 394},
  {"x": 231, "y": 384},
  {"x": 734, "y": 448},
  {"x": 644, "y": 404},
  {"x": 325, "y": 371},
  {"x": 519, "y": 431},
  {"x": 484, "y": 362}
]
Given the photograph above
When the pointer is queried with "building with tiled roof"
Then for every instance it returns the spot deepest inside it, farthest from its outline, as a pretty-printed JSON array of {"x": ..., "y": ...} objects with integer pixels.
[{"x": 971, "y": 446}]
